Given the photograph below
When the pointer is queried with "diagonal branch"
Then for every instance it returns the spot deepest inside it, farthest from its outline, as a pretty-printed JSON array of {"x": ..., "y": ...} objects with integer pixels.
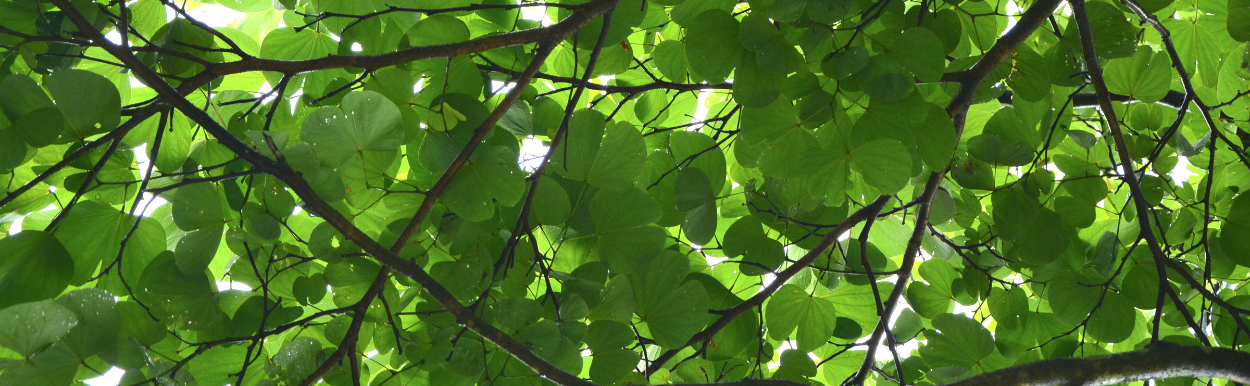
[
  {"x": 867, "y": 212},
  {"x": 1126, "y": 162}
]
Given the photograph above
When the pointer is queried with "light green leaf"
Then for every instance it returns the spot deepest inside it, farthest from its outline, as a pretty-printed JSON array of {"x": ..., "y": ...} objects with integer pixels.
[
  {"x": 1145, "y": 76},
  {"x": 367, "y": 121},
  {"x": 288, "y": 44},
  {"x": 791, "y": 307}
]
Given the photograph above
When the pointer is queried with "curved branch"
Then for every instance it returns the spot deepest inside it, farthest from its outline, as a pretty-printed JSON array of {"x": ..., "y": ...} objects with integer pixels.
[{"x": 1158, "y": 360}]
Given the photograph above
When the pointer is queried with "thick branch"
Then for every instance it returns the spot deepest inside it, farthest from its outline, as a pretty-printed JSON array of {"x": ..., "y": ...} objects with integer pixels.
[
  {"x": 1174, "y": 99},
  {"x": 1003, "y": 48},
  {"x": 1159, "y": 360}
]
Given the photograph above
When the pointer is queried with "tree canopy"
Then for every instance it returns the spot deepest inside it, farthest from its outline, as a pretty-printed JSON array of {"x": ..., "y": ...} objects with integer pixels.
[{"x": 611, "y": 192}]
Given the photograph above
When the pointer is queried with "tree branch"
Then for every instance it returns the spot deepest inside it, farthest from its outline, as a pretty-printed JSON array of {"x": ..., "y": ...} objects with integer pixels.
[
  {"x": 1158, "y": 360},
  {"x": 315, "y": 205},
  {"x": 868, "y": 211}
]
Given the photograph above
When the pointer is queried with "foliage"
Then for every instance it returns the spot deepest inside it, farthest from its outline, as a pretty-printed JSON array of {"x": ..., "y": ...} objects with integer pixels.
[{"x": 445, "y": 192}]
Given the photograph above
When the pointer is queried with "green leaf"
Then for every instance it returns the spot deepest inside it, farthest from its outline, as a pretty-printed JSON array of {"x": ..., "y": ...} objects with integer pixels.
[
  {"x": 28, "y": 328},
  {"x": 367, "y": 121},
  {"x": 1113, "y": 321},
  {"x": 753, "y": 86},
  {"x": 247, "y": 5},
  {"x": 1145, "y": 76},
  {"x": 958, "y": 341},
  {"x": 1030, "y": 75},
  {"x": 47, "y": 368},
  {"x": 620, "y": 159},
  {"x": 886, "y": 79},
  {"x": 492, "y": 177},
  {"x": 196, "y": 249},
  {"x": 746, "y": 238},
  {"x": 936, "y": 136},
  {"x": 629, "y": 208},
  {"x": 1235, "y": 231},
  {"x": 1114, "y": 34},
  {"x": 843, "y": 64},
  {"x": 1009, "y": 307},
  {"x": 605, "y": 335},
  {"x": 517, "y": 313},
  {"x": 617, "y": 303},
  {"x": 41, "y": 127},
  {"x": 89, "y": 102},
  {"x": 610, "y": 366},
  {"x": 20, "y": 95},
  {"x": 990, "y": 148},
  {"x": 1238, "y": 20},
  {"x": 188, "y": 300},
  {"x": 884, "y": 163},
  {"x": 98, "y": 321},
  {"x": 1074, "y": 299},
  {"x": 670, "y": 59},
  {"x": 93, "y": 233},
  {"x": 927, "y": 301},
  {"x": 551, "y": 203},
  {"x": 791, "y": 307},
  {"x": 920, "y": 51},
  {"x": 35, "y": 266},
  {"x": 297, "y": 359},
  {"x": 289, "y": 44},
  {"x": 673, "y": 313},
  {"x": 712, "y": 47},
  {"x": 197, "y": 206}
]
